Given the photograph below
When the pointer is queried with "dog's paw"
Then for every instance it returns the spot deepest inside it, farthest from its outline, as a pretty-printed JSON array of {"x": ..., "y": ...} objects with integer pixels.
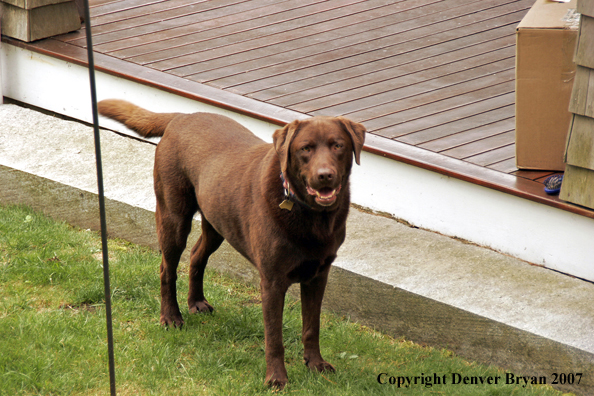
[
  {"x": 200, "y": 307},
  {"x": 277, "y": 383},
  {"x": 320, "y": 366},
  {"x": 172, "y": 321}
]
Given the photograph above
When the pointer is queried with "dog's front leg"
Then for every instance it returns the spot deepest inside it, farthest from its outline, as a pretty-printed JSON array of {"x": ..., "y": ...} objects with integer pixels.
[
  {"x": 273, "y": 301},
  {"x": 312, "y": 293}
]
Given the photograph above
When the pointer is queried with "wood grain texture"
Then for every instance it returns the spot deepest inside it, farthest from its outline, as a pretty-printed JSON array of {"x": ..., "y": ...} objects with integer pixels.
[
  {"x": 250, "y": 34},
  {"x": 582, "y": 95},
  {"x": 580, "y": 142},
  {"x": 586, "y": 7},
  {"x": 341, "y": 44},
  {"x": 577, "y": 186},
  {"x": 579, "y": 154},
  {"x": 584, "y": 52}
]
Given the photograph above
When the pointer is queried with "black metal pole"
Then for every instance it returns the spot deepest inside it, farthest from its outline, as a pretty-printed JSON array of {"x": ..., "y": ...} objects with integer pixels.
[{"x": 105, "y": 252}]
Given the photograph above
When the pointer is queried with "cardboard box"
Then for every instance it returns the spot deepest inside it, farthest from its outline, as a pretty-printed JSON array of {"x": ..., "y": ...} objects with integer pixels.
[{"x": 545, "y": 44}]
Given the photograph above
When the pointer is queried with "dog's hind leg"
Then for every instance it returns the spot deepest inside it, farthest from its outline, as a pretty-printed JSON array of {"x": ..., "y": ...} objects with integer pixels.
[
  {"x": 173, "y": 230},
  {"x": 209, "y": 241}
]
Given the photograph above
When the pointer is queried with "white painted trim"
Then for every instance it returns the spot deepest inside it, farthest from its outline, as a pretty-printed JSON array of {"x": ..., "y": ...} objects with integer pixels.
[
  {"x": 528, "y": 230},
  {"x": 63, "y": 87},
  {"x": 534, "y": 232}
]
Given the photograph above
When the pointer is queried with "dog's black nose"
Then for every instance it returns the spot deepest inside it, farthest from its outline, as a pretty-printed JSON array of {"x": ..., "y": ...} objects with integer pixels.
[{"x": 326, "y": 174}]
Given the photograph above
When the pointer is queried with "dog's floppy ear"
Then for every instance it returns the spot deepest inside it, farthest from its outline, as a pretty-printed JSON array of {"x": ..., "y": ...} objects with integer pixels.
[
  {"x": 357, "y": 133},
  {"x": 282, "y": 139}
]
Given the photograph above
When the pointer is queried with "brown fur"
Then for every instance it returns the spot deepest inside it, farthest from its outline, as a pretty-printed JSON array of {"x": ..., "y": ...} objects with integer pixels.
[{"x": 211, "y": 164}]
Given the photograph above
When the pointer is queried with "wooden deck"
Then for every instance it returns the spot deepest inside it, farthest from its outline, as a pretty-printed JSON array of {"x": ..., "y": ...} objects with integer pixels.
[{"x": 436, "y": 75}]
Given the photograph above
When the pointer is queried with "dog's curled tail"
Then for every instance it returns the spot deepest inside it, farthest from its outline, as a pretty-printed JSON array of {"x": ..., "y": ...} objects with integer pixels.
[{"x": 144, "y": 122}]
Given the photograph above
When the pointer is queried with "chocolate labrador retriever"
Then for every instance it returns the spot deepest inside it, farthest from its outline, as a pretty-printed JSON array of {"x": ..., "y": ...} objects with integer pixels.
[{"x": 283, "y": 206}]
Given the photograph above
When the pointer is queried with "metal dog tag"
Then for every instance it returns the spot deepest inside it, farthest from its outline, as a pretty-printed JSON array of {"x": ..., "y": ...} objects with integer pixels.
[{"x": 286, "y": 204}]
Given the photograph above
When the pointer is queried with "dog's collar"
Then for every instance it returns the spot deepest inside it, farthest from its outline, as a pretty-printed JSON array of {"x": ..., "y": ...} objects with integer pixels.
[{"x": 290, "y": 196}]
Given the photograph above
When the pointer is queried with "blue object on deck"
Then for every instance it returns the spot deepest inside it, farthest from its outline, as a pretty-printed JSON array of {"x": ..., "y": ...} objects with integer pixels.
[{"x": 553, "y": 184}]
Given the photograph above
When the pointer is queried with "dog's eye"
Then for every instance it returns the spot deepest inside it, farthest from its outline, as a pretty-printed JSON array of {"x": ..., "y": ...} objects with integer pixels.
[
  {"x": 306, "y": 149},
  {"x": 337, "y": 146}
]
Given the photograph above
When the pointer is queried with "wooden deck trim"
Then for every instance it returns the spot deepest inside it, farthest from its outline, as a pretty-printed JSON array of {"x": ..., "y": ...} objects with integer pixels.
[
  {"x": 451, "y": 167},
  {"x": 166, "y": 82}
]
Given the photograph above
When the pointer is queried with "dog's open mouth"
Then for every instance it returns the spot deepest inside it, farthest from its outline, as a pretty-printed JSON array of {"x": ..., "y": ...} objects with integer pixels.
[{"x": 325, "y": 196}]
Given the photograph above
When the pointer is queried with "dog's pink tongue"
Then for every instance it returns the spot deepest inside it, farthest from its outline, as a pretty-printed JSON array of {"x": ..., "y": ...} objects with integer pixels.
[
  {"x": 325, "y": 192},
  {"x": 324, "y": 196},
  {"x": 321, "y": 193}
]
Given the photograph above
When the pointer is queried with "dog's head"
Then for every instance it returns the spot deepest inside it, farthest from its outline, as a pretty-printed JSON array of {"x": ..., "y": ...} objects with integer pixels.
[{"x": 316, "y": 156}]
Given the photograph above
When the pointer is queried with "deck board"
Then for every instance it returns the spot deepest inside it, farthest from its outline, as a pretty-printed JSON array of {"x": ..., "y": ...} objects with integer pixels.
[
  {"x": 493, "y": 156},
  {"x": 466, "y": 124},
  {"x": 408, "y": 92},
  {"x": 133, "y": 9},
  {"x": 505, "y": 166},
  {"x": 499, "y": 96},
  {"x": 435, "y": 74},
  {"x": 434, "y": 109},
  {"x": 339, "y": 36},
  {"x": 400, "y": 50},
  {"x": 245, "y": 19},
  {"x": 351, "y": 74},
  {"x": 168, "y": 22},
  {"x": 253, "y": 34},
  {"x": 461, "y": 139},
  {"x": 481, "y": 146},
  {"x": 103, "y": 7},
  {"x": 329, "y": 47}
]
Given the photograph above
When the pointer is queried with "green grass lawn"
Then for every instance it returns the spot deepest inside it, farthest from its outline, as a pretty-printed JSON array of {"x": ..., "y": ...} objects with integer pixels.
[{"x": 53, "y": 337}]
